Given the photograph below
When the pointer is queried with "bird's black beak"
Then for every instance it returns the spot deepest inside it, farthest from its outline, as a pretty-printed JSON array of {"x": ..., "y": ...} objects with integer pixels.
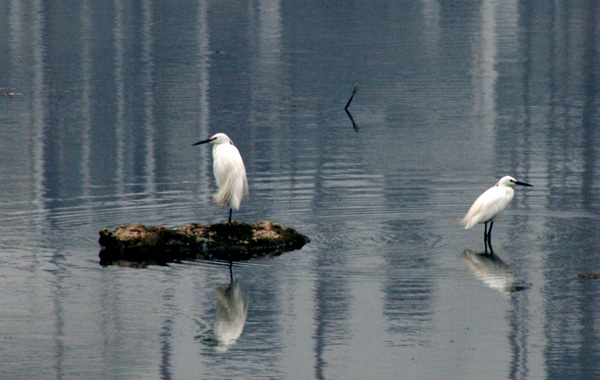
[
  {"x": 202, "y": 142},
  {"x": 523, "y": 184}
]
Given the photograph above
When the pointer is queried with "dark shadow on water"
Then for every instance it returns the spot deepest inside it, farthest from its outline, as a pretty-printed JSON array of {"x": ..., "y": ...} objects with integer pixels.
[{"x": 493, "y": 272}]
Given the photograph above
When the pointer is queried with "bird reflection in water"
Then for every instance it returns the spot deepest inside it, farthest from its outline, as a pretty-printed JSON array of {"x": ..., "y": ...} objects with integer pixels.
[
  {"x": 490, "y": 269},
  {"x": 230, "y": 316}
]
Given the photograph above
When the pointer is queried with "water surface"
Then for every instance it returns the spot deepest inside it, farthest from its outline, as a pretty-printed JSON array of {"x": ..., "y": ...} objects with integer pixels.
[{"x": 99, "y": 107}]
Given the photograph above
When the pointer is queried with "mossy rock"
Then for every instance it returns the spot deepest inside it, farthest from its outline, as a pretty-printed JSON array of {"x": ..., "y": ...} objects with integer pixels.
[{"x": 138, "y": 245}]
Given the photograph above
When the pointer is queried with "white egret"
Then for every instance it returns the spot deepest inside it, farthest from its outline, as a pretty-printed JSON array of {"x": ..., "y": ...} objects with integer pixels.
[
  {"x": 229, "y": 172},
  {"x": 489, "y": 205}
]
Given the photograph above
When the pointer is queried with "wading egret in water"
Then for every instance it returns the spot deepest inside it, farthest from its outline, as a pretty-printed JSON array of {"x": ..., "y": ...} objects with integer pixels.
[
  {"x": 229, "y": 172},
  {"x": 489, "y": 205}
]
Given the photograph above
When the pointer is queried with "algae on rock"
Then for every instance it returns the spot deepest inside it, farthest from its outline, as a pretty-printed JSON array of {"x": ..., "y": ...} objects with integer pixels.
[{"x": 136, "y": 244}]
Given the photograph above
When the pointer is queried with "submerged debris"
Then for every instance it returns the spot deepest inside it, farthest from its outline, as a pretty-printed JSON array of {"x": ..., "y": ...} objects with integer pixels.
[
  {"x": 138, "y": 245},
  {"x": 591, "y": 276}
]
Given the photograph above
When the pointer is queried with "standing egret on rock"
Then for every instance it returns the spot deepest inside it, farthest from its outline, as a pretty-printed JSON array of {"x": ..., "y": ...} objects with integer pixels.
[
  {"x": 489, "y": 205},
  {"x": 229, "y": 172}
]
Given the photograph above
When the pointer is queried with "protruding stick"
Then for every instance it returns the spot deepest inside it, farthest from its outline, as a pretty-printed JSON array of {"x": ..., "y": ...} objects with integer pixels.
[
  {"x": 348, "y": 112},
  {"x": 351, "y": 97}
]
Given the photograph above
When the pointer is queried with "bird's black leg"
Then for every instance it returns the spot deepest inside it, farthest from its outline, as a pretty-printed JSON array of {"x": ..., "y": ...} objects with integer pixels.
[
  {"x": 485, "y": 235},
  {"x": 230, "y": 211},
  {"x": 489, "y": 238}
]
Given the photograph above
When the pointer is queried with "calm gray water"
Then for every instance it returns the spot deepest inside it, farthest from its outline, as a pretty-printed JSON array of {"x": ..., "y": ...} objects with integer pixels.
[{"x": 101, "y": 101}]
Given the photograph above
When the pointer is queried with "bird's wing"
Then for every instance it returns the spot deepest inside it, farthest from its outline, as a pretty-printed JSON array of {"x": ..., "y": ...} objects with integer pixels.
[
  {"x": 230, "y": 175},
  {"x": 487, "y": 206},
  {"x": 228, "y": 165}
]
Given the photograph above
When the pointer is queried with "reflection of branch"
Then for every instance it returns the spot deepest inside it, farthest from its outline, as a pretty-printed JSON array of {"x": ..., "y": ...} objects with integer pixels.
[
  {"x": 348, "y": 112},
  {"x": 352, "y": 120}
]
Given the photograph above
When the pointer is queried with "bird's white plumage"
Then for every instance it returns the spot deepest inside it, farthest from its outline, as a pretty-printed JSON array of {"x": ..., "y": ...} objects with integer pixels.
[
  {"x": 488, "y": 206},
  {"x": 229, "y": 172},
  {"x": 491, "y": 203}
]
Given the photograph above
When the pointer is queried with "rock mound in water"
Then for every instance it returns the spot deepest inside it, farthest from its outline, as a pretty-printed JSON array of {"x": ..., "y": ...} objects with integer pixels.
[{"x": 138, "y": 245}]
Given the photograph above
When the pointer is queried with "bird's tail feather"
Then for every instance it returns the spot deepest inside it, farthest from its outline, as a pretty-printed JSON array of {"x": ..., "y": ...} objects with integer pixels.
[
  {"x": 223, "y": 198},
  {"x": 467, "y": 222},
  {"x": 231, "y": 193}
]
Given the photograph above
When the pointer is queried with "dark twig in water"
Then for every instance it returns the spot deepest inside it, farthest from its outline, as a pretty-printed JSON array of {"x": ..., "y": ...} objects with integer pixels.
[
  {"x": 351, "y": 97},
  {"x": 348, "y": 112}
]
